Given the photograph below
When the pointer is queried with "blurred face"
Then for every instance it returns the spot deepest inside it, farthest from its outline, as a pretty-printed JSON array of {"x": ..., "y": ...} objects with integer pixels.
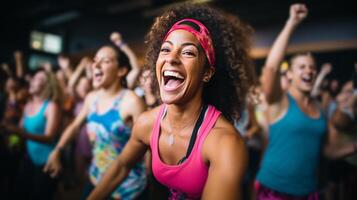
[
  {"x": 145, "y": 80},
  {"x": 303, "y": 73},
  {"x": 105, "y": 68},
  {"x": 180, "y": 67},
  {"x": 38, "y": 83},
  {"x": 334, "y": 85},
  {"x": 11, "y": 85}
]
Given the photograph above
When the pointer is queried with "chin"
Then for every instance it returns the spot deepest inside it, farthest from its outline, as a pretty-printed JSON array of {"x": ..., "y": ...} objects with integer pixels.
[
  {"x": 96, "y": 85},
  {"x": 170, "y": 99}
]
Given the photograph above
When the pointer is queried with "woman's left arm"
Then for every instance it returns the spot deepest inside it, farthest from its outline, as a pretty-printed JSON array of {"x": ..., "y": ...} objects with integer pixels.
[{"x": 227, "y": 164}]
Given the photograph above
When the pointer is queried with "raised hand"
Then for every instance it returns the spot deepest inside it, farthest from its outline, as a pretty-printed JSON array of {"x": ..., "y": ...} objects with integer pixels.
[
  {"x": 18, "y": 55},
  {"x": 326, "y": 68},
  {"x": 116, "y": 38},
  {"x": 298, "y": 12}
]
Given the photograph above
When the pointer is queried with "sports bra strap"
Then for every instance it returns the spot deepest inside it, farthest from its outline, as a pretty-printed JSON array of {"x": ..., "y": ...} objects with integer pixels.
[{"x": 194, "y": 133}]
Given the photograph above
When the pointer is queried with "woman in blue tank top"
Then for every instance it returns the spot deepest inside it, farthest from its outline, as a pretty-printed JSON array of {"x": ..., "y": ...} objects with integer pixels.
[
  {"x": 39, "y": 125},
  {"x": 109, "y": 112},
  {"x": 297, "y": 125}
]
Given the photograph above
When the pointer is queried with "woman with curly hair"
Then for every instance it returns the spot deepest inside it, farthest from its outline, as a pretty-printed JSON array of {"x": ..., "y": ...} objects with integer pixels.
[{"x": 203, "y": 71}]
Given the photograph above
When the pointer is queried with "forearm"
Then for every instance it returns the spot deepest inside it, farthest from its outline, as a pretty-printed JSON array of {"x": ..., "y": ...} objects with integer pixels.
[
  {"x": 19, "y": 67},
  {"x": 341, "y": 150},
  {"x": 38, "y": 138},
  {"x": 111, "y": 179},
  {"x": 316, "y": 89},
  {"x": 271, "y": 73},
  {"x": 135, "y": 71},
  {"x": 75, "y": 76},
  {"x": 277, "y": 52}
]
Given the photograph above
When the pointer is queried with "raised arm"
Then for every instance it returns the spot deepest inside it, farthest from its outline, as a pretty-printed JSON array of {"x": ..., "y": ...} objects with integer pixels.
[
  {"x": 80, "y": 69},
  {"x": 19, "y": 64},
  {"x": 135, "y": 71},
  {"x": 64, "y": 63},
  {"x": 325, "y": 70},
  {"x": 271, "y": 77},
  {"x": 227, "y": 165}
]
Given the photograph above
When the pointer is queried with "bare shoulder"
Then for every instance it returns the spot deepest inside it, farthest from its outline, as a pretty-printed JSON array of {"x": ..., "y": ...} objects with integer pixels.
[
  {"x": 223, "y": 141},
  {"x": 222, "y": 132},
  {"x": 130, "y": 98},
  {"x": 144, "y": 125},
  {"x": 131, "y": 94},
  {"x": 52, "y": 105},
  {"x": 90, "y": 97}
]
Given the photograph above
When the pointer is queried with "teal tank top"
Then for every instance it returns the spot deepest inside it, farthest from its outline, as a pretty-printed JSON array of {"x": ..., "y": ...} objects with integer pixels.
[
  {"x": 291, "y": 159},
  {"x": 36, "y": 125}
]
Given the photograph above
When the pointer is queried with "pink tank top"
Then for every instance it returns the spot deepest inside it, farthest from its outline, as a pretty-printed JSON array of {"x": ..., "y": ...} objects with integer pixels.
[{"x": 185, "y": 180}]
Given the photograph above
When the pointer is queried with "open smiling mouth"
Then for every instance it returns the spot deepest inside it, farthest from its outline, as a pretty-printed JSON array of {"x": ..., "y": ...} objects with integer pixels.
[
  {"x": 172, "y": 80},
  {"x": 307, "y": 79},
  {"x": 98, "y": 75}
]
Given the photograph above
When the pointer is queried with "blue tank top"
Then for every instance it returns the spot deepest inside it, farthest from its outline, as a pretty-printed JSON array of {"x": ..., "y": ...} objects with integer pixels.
[
  {"x": 291, "y": 159},
  {"x": 36, "y": 125},
  {"x": 108, "y": 135}
]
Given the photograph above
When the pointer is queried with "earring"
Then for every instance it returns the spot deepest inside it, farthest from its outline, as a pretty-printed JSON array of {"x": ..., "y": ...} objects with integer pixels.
[{"x": 206, "y": 79}]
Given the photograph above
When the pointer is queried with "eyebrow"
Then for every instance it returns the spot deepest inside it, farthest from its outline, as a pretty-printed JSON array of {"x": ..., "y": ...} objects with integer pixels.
[{"x": 184, "y": 44}]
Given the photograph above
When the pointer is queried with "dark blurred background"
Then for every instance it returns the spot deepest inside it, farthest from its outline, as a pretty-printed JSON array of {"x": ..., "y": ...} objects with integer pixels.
[{"x": 44, "y": 28}]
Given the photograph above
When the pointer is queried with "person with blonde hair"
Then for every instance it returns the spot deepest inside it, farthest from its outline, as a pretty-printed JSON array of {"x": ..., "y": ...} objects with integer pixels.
[{"x": 39, "y": 127}]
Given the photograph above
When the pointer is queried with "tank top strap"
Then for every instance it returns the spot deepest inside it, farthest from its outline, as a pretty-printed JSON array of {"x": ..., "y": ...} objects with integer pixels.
[
  {"x": 209, "y": 121},
  {"x": 93, "y": 105},
  {"x": 43, "y": 107},
  {"x": 119, "y": 98},
  {"x": 290, "y": 98}
]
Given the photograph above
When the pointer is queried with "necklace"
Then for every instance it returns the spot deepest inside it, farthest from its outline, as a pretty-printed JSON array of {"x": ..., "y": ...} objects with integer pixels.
[{"x": 171, "y": 137}]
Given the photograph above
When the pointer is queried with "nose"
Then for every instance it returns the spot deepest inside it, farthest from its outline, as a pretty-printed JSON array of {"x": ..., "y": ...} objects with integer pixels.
[
  {"x": 173, "y": 57},
  {"x": 310, "y": 69},
  {"x": 95, "y": 64}
]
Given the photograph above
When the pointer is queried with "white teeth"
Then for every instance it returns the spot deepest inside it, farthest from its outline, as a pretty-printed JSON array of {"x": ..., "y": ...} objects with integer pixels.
[
  {"x": 174, "y": 74},
  {"x": 307, "y": 78},
  {"x": 97, "y": 73}
]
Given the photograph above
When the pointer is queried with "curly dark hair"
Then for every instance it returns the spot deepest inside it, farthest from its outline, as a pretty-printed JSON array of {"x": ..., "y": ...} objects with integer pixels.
[{"x": 234, "y": 74}]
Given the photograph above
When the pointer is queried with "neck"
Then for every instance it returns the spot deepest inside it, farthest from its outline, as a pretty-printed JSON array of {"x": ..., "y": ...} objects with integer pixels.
[
  {"x": 180, "y": 116},
  {"x": 111, "y": 90},
  {"x": 37, "y": 98},
  {"x": 302, "y": 97}
]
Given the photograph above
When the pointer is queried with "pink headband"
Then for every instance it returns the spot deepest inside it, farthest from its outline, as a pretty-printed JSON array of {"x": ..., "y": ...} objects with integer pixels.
[{"x": 203, "y": 36}]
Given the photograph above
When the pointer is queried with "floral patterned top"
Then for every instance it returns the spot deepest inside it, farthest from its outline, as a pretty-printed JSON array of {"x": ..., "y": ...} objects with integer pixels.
[{"x": 108, "y": 135}]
